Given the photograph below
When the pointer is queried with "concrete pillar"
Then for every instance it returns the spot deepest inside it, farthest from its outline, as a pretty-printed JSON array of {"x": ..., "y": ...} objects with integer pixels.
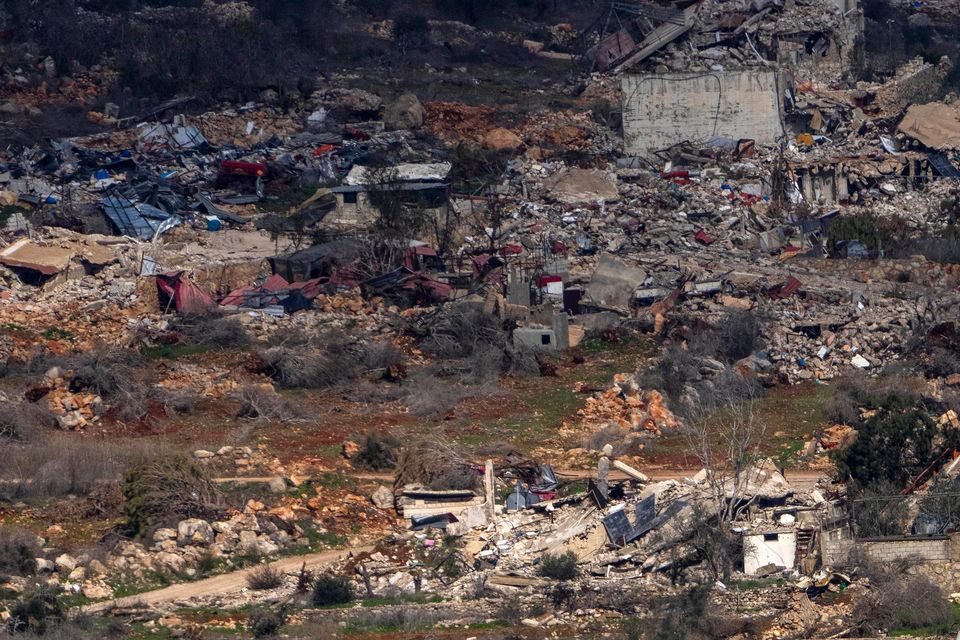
[
  {"x": 560, "y": 323},
  {"x": 519, "y": 292},
  {"x": 488, "y": 489},
  {"x": 603, "y": 472}
]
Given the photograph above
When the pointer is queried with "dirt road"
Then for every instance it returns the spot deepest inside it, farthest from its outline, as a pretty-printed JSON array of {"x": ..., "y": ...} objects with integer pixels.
[
  {"x": 223, "y": 584},
  {"x": 235, "y": 581}
]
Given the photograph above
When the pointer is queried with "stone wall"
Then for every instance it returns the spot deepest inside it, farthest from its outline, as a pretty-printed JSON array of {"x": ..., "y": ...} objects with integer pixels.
[
  {"x": 660, "y": 110},
  {"x": 920, "y": 551},
  {"x": 919, "y": 270}
]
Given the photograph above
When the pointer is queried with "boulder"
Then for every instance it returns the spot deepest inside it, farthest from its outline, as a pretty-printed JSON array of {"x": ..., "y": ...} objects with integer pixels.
[
  {"x": 10, "y": 108},
  {"x": 194, "y": 531},
  {"x": 248, "y": 541},
  {"x": 169, "y": 561},
  {"x": 501, "y": 139},
  {"x": 277, "y": 485},
  {"x": 202, "y": 454},
  {"x": 267, "y": 547},
  {"x": 160, "y": 535},
  {"x": 405, "y": 112},
  {"x": 77, "y": 575},
  {"x": 97, "y": 568},
  {"x": 96, "y": 590},
  {"x": 65, "y": 563},
  {"x": 582, "y": 186},
  {"x": 45, "y": 566},
  {"x": 382, "y": 498}
]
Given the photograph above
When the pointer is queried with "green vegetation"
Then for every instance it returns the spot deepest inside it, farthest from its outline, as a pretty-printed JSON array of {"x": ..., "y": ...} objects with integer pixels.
[
  {"x": 173, "y": 351},
  {"x": 329, "y": 589},
  {"x": 56, "y": 333},
  {"x": 561, "y": 566}
]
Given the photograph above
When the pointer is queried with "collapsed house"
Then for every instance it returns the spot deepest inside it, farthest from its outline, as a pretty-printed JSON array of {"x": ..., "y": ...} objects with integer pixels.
[{"x": 365, "y": 190}]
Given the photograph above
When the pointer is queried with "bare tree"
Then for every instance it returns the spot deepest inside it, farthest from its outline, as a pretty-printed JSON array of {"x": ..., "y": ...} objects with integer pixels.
[{"x": 722, "y": 431}]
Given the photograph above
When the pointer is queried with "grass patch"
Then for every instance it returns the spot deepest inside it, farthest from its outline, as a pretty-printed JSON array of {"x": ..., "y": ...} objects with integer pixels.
[
  {"x": 316, "y": 541},
  {"x": 151, "y": 580},
  {"x": 56, "y": 333},
  {"x": 413, "y": 598},
  {"x": 792, "y": 415},
  {"x": 943, "y": 629},
  {"x": 174, "y": 351},
  {"x": 752, "y": 584}
]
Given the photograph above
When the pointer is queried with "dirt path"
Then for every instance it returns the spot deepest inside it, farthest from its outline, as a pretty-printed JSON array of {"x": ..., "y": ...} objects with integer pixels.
[
  {"x": 226, "y": 583},
  {"x": 236, "y": 580}
]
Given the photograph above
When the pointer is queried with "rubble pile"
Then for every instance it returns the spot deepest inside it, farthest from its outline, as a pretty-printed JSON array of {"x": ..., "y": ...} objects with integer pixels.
[{"x": 627, "y": 406}]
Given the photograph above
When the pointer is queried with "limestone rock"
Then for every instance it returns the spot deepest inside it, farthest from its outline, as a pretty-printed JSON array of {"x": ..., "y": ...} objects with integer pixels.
[
  {"x": 405, "y": 112},
  {"x": 501, "y": 139},
  {"x": 194, "y": 532},
  {"x": 65, "y": 563},
  {"x": 382, "y": 498}
]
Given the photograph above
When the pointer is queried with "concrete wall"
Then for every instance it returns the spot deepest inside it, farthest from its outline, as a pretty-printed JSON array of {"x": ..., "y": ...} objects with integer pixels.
[
  {"x": 925, "y": 550},
  {"x": 760, "y": 550},
  {"x": 663, "y": 109}
]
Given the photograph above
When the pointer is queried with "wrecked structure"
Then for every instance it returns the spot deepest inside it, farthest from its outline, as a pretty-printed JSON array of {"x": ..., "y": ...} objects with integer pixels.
[{"x": 660, "y": 110}]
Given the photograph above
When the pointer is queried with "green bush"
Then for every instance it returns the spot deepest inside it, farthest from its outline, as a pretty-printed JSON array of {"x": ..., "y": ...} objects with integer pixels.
[
  {"x": 330, "y": 589},
  {"x": 264, "y": 623},
  {"x": 561, "y": 566},
  {"x": 893, "y": 446}
]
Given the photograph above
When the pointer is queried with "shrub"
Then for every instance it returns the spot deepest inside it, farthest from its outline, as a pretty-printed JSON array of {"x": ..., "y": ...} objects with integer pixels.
[
  {"x": 410, "y": 30},
  {"x": 561, "y": 566},
  {"x": 442, "y": 398},
  {"x": 110, "y": 373},
  {"x": 878, "y": 510},
  {"x": 382, "y": 355},
  {"x": 307, "y": 369},
  {"x": 212, "y": 331},
  {"x": 562, "y": 596},
  {"x": 893, "y": 445},
  {"x": 36, "y": 611},
  {"x": 263, "y": 623},
  {"x": 21, "y": 420},
  {"x": 259, "y": 403},
  {"x": 841, "y": 408},
  {"x": 461, "y": 331},
  {"x": 377, "y": 452},
  {"x": 738, "y": 335},
  {"x": 330, "y": 589},
  {"x": 264, "y": 577},
  {"x": 63, "y": 464},
  {"x": 901, "y": 602},
  {"x": 676, "y": 369},
  {"x": 18, "y": 552},
  {"x": 942, "y": 363},
  {"x": 165, "y": 491},
  {"x": 433, "y": 462},
  {"x": 177, "y": 402}
]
